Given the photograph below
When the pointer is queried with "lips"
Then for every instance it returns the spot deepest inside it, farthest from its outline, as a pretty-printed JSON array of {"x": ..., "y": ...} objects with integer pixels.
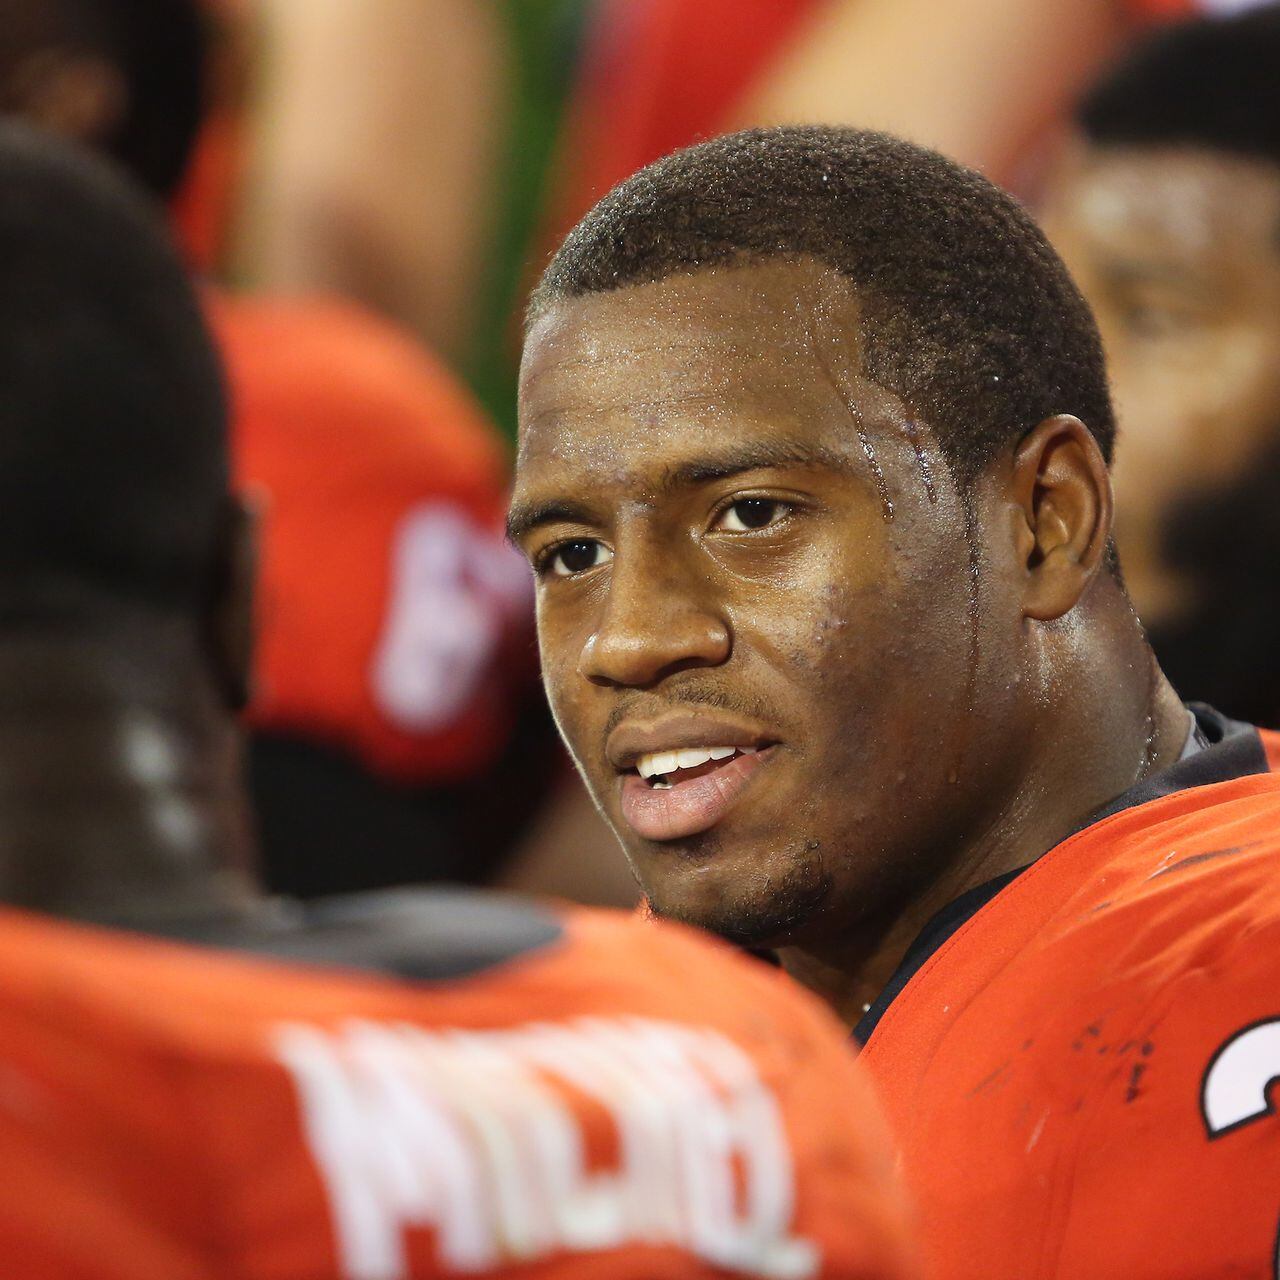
[{"x": 689, "y": 807}]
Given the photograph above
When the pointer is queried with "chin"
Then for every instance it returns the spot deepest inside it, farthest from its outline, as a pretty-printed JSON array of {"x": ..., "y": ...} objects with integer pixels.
[{"x": 765, "y": 911}]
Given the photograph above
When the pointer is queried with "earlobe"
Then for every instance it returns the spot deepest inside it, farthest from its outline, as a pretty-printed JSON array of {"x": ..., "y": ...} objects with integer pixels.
[{"x": 1062, "y": 491}]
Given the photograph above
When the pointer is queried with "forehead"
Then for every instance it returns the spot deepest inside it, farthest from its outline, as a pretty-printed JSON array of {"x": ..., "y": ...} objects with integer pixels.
[
  {"x": 629, "y": 382},
  {"x": 1189, "y": 206}
]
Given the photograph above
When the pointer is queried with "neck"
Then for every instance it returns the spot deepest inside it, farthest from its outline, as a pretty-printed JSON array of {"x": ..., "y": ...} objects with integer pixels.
[
  {"x": 120, "y": 792},
  {"x": 1106, "y": 720}
]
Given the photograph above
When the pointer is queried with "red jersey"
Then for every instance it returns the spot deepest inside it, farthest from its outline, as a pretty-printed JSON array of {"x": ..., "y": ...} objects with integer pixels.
[
  {"x": 389, "y": 605},
  {"x": 615, "y": 1100},
  {"x": 1079, "y": 1076}
]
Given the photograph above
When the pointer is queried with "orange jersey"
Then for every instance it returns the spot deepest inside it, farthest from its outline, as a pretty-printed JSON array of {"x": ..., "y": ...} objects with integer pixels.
[
  {"x": 1078, "y": 1076},
  {"x": 615, "y": 1101},
  {"x": 393, "y": 619}
]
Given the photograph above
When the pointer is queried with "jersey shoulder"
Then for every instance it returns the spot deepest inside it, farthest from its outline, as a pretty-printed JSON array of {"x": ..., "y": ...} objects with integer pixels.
[
  {"x": 1158, "y": 871},
  {"x": 611, "y": 1099},
  {"x": 1152, "y": 900},
  {"x": 1095, "y": 1095}
]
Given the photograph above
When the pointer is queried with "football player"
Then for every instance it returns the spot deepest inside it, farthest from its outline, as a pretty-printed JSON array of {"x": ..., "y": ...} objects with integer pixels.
[{"x": 813, "y": 475}]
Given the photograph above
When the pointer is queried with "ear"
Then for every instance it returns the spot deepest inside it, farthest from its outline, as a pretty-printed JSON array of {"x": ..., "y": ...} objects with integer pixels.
[
  {"x": 1062, "y": 495},
  {"x": 230, "y": 629}
]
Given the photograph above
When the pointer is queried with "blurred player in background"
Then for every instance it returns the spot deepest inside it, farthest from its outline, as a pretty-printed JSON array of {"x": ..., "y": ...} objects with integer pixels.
[
  {"x": 813, "y": 475},
  {"x": 449, "y": 1084},
  {"x": 394, "y": 690},
  {"x": 1166, "y": 207}
]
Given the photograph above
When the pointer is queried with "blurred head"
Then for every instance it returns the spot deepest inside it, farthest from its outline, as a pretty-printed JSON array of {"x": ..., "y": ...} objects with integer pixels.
[
  {"x": 812, "y": 472},
  {"x": 124, "y": 76},
  {"x": 1166, "y": 208},
  {"x": 114, "y": 499},
  {"x": 124, "y": 564}
]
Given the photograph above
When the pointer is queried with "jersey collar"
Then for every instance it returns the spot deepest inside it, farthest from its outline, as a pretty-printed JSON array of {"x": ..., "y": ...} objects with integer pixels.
[{"x": 1226, "y": 749}]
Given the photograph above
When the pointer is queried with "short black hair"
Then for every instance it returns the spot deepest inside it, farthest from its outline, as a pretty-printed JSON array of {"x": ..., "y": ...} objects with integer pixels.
[
  {"x": 160, "y": 49},
  {"x": 966, "y": 312},
  {"x": 113, "y": 435},
  {"x": 1206, "y": 82}
]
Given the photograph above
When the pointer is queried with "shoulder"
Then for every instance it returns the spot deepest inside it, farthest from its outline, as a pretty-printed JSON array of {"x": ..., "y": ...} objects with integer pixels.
[
  {"x": 629, "y": 1060},
  {"x": 1166, "y": 908},
  {"x": 1157, "y": 875},
  {"x": 1104, "y": 1076},
  {"x": 1146, "y": 1059},
  {"x": 458, "y": 957},
  {"x": 1125, "y": 905},
  {"x": 450, "y": 960},
  {"x": 1178, "y": 895}
]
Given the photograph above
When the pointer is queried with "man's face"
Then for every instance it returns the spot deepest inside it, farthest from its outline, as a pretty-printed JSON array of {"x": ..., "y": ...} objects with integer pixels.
[
  {"x": 755, "y": 586},
  {"x": 1178, "y": 253}
]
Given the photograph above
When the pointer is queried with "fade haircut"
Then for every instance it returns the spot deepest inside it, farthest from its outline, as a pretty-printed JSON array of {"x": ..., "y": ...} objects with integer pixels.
[
  {"x": 1207, "y": 82},
  {"x": 113, "y": 463},
  {"x": 966, "y": 313}
]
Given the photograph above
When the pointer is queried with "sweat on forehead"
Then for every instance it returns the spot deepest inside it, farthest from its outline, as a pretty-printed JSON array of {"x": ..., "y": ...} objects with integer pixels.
[
  {"x": 965, "y": 311},
  {"x": 722, "y": 320},
  {"x": 776, "y": 341}
]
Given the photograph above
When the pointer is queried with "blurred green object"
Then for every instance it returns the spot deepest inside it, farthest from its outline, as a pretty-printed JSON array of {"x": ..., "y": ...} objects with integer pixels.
[{"x": 545, "y": 37}]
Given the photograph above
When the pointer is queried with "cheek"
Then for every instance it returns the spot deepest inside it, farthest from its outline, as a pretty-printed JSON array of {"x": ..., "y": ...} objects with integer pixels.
[
  {"x": 559, "y": 652},
  {"x": 809, "y": 620},
  {"x": 873, "y": 661}
]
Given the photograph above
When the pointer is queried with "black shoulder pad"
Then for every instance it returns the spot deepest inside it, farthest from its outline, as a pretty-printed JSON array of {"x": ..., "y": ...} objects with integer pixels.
[{"x": 421, "y": 934}]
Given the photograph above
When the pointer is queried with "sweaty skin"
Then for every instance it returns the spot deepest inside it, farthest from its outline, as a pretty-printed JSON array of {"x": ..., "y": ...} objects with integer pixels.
[
  {"x": 740, "y": 541},
  {"x": 1176, "y": 251}
]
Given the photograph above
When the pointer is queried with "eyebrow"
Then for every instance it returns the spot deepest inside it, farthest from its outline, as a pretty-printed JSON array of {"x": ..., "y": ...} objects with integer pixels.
[
  {"x": 753, "y": 456},
  {"x": 525, "y": 517}
]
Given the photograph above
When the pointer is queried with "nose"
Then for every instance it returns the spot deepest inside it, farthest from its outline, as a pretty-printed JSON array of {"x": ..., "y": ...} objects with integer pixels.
[{"x": 656, "y": 621}]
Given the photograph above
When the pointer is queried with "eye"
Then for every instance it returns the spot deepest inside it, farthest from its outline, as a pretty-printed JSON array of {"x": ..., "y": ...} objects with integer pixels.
[
  {"x": 577, "y": 556},
  {"x": 750, "y": 513}
]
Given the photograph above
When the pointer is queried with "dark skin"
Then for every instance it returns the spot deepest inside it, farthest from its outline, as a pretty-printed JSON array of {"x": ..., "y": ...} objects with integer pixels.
[
  {"x": 728, "y": 521},
  {"x": 120, "y": 779}
]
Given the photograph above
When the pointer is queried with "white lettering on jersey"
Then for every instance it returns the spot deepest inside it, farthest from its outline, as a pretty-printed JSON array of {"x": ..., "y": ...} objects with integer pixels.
[
  {"x": 454, "y": 588},
  {"x": 473, "y": 1135},
  {"x": 1237, "y": 1087},
  {"x": 1236, "y": 1084}
]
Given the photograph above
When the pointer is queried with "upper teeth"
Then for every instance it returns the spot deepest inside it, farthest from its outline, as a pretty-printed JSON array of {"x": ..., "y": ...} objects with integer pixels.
[{"x": 656, "y": 762}]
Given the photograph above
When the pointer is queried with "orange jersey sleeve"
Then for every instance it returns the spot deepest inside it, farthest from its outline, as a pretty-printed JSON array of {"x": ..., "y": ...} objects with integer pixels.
[
  {"x": 627, "y": 1101},
  {"x": 393, "y": 619},
  {"x": 1079, "y": 1078}
]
